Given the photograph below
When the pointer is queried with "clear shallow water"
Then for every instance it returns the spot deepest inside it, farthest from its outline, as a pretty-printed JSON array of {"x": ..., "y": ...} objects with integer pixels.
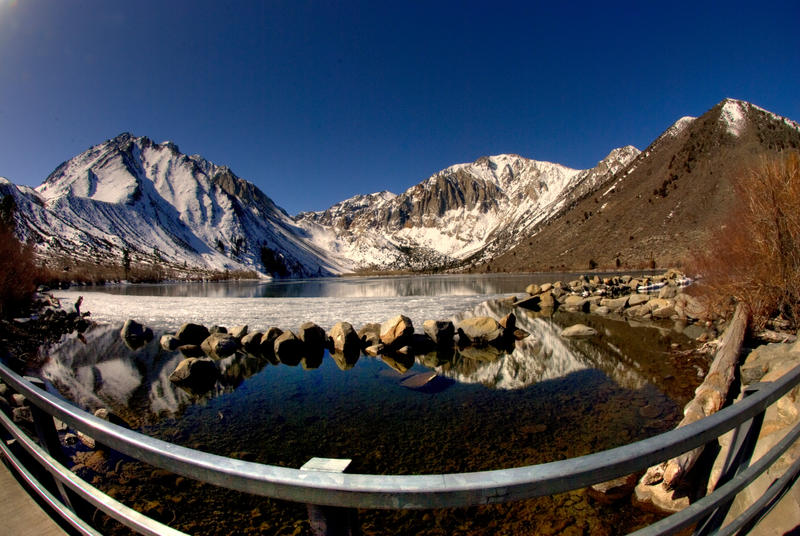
[{"x": 549, "y": 398}]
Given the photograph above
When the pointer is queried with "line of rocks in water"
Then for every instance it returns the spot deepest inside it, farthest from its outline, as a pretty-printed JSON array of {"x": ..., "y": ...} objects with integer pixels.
[
  {"x": 396, "y": 342},
  {"x": 657, "y": 297}
]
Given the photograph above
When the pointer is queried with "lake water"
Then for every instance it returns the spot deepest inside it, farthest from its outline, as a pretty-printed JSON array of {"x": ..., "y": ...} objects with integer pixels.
[{"x": 547, "y": 398}]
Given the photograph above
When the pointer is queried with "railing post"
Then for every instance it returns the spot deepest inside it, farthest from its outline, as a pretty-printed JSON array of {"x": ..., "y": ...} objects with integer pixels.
[
  {"x": 331, "y": 520},
  {"x": 743, "y": 444},
  {"x": 45, "y": 427}
]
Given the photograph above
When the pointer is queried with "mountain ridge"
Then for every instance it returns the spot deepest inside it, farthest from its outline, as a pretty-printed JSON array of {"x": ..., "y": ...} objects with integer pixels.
[{"x": 503, "y": 212}]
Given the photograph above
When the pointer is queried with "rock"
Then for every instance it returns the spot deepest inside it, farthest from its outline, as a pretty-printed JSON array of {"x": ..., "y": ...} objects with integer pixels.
[
  {"x": 657, "y": 498},
  {"x": 637, "y": 299},
  {"x": 135, "y": 335},
  {"x": 427, "y": 382},
  {"x": 509, "y": 323},
  {"x": 191, "y": 350},
  {"x": 22, "y": 415},
  {"x": 480, "y": 330},
  {"x": 547, "y": 300},
  {"x": 638, "y": 310},
  {"x": 545, "y": 287},
  {"x": 779, "y": 419},
  {"x": 601, "y": 310},
  {"x": 370, "y": 335},
  {"x": 650, "y": 411},
  {"x": 288, "y": 348},
  {"x": 764, "y": 359},
  {"x": 533, "y": 289},
  {"x": 18, "y": 400},
  {"x": 693, "y": 331},
  {"x": 615, "y": 304},
  {"x": 615, "y": 490},
  {"x": 220, "y": 345},
  {"x": 668, "y": 292},
  {"x": 113, "y": 418},
  {"x": 396, "y": 331},
  {"x": 192, "y": 334},
  {"x": 345, "y": 340},
  {"x": 267, "y": 344},
  {"x": 217, "y": 329},
  {"x": 252, "y": 342},
  {"x": 520, "y": 334},
  {"x": 578, "y": 331},
  {"x": 533, "y": 303},
  {"x": 314, "y": 342},
  {"x": 441, "y": 332},
  {"x": 659, "y": 303},
  {"x": 576, "y": 303},
  {"x": 691, "y": 307},
  {"x": 169, "y": 342},
  {"x": 238, "y": 331},
  {"x": 199, "y": 374},
  {"x": 664, "y": 312}
]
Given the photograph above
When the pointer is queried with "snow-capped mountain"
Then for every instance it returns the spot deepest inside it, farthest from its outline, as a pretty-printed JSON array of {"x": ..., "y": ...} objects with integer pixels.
[
  {"x": 502, "y": 212},
  {"x": 465, "y": 211},
  {"x": 663, "y": 206},
  {"x": 131, "y": 193}
]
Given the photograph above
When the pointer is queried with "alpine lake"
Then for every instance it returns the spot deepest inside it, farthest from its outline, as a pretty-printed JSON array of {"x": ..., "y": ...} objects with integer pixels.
[{"x": 546, "y": 398}]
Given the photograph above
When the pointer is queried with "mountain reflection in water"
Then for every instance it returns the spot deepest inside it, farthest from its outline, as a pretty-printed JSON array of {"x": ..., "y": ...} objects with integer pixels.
[{"x": 101, "y": 371}]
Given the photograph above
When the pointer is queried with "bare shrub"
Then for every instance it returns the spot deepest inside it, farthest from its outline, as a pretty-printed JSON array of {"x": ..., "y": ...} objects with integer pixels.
[
  {"x": 18, "y": 273},
  {"x": 755, "y": 256}
]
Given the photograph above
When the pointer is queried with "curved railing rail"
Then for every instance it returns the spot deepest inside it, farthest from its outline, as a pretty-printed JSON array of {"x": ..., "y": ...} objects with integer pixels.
[{"x": 432, "y": 490}]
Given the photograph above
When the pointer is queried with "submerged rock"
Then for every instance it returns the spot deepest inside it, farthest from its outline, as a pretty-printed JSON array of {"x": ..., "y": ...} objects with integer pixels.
[{"x": 578, "y": 331}]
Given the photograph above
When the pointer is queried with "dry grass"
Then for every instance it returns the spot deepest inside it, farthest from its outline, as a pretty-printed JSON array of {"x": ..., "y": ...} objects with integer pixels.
[{"x": 755, "y": 257}]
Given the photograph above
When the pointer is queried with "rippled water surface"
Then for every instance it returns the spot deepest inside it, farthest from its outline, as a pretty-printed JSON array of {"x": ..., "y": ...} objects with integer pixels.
[{"x": 544, "y": 399}]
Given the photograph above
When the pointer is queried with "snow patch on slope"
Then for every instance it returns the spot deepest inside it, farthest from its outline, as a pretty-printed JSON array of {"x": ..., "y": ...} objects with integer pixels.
[{"x": 733, "y": 116}]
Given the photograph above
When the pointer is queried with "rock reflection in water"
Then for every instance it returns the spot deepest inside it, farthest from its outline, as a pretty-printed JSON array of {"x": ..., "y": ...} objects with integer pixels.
[{"x": 103, "y": 372}]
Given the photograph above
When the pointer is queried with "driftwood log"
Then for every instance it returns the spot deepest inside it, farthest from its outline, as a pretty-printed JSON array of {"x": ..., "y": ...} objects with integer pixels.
[{"x": 709, "y": 398}]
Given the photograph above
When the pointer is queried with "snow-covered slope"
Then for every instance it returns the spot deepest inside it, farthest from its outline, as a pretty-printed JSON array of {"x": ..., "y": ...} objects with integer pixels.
[
  {"x": 131, "y": 193},
  {"x": 468, "y": 210}
]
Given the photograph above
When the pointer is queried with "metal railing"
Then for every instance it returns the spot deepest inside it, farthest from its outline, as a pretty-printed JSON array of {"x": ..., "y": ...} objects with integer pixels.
[{"x": 350, "y": 491}]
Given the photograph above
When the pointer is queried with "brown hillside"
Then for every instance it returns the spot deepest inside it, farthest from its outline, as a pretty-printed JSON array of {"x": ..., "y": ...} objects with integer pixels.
[{"x": 664, "y": 203}]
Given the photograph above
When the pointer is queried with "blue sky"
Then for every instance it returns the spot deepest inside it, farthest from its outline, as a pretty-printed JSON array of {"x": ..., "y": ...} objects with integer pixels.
[{"x": 317, "y": 101}]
